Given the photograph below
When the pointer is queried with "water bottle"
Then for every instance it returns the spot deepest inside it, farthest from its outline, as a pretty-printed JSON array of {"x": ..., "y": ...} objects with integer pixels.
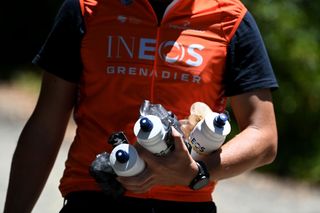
[
  {"x": 209, "y": 134},
  {"x": 152, "y": 135},
  {"x": 125, "y": 160}
]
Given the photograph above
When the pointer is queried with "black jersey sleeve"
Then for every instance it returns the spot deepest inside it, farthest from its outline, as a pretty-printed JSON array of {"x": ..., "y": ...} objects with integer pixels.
[
  {"x": 248, "y": 65},
  {"x": 60, "y": 53}
]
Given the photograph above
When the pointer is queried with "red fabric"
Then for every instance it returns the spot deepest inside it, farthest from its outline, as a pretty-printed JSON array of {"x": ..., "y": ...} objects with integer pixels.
[{"x": 128, "y": 58}]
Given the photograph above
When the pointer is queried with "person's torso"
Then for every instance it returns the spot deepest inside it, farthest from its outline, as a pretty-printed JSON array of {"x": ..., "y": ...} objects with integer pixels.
[{"x": 129, "y": 57}]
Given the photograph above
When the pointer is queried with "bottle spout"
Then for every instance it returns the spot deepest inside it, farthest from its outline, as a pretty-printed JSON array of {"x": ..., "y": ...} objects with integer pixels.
[
  {"x": 122, "y": 156},
  {"x": 220, "y": 120},
  {"x": 146, "y": 124}
]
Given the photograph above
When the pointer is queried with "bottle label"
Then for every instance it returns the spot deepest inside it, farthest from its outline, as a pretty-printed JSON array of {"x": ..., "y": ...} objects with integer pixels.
[
  {"x": 169, "y": 141},
  {"x": 197, "y": 146}
]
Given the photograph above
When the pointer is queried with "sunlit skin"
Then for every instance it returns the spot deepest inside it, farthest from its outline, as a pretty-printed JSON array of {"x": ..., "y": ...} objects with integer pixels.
[{"x": 254, "y": 146}]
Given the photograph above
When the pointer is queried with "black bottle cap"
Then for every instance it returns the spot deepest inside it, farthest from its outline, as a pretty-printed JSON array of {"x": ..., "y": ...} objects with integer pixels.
[
  {"x": 122, "y": 156},
  {"x": 220, "y": 120},
  {"x": 146, "y": 124}
]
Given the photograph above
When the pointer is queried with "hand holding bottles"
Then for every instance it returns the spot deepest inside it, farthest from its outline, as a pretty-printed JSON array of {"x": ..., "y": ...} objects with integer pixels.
[
  {"x": 153, "y": 128},
  {"x": 209, "y": 129}
]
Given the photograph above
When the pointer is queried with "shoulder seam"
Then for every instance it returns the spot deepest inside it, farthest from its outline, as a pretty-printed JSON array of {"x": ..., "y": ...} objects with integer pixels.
[
  {"x": 228, "y": 36},
  {"x": 235, "y": 27}
]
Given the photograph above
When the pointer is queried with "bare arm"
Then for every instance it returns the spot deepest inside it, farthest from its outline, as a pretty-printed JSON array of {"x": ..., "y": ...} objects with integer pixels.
[
  {"x": 39, "y": 144},
  {"x": 254, "y": 146}
]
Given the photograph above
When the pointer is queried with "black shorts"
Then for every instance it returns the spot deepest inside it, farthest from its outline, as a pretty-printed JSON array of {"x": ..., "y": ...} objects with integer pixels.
[{"x": 97, "y": 202}]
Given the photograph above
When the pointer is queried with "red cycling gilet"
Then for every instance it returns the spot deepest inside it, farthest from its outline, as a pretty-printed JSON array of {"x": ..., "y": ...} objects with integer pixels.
[{"x": 129, "y": 57}]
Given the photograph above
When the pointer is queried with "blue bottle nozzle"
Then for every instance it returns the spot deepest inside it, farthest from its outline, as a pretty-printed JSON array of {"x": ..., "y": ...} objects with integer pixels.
[
  {"x": 122, "y": 156},
  {"x": 146, "y": 124},
  {"x": 220, "y": 120}
]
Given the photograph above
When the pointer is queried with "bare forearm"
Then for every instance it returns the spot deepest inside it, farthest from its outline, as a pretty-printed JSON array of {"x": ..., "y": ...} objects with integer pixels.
[
  {"x": 39, "y": 143},
  {"x": 256, "y": 144},
  {"x": 31, "y": 165},
  {"x": 248, "y": 150}
]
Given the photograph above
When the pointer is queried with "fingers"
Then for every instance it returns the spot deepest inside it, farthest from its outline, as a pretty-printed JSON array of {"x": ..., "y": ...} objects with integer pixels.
[
  {"x": 138, "y": 184},
  {"x": 160, "y": 170},
  {"x": 186, "y": 127},
  {"x": 145, "y": 154},
  {"x": 179, "y": 141}
]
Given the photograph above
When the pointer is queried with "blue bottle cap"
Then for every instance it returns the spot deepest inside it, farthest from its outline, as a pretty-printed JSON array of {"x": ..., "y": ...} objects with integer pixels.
[
  {"x": 122, "y": 156},
  {"x": 146, "y": 124},
  {"x": 220, "y": 120}
]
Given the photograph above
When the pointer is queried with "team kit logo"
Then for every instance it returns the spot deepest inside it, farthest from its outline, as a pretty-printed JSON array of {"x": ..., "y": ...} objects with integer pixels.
[{"x": 145, "y": 49}]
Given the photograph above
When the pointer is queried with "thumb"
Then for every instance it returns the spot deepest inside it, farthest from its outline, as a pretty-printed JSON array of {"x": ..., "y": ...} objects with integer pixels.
[{"x": 179, "y": 140}]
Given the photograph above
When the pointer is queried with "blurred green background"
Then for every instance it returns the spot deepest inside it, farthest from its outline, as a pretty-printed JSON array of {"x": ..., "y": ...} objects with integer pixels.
[{"x": 291, "y": 32}]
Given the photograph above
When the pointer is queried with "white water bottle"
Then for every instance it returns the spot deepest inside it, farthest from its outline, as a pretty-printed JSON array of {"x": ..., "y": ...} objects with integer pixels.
[
  {"x": 125, "y": 160},
  {"x": 209, "y": 134},
  {"x": 152, "y": 135}
]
